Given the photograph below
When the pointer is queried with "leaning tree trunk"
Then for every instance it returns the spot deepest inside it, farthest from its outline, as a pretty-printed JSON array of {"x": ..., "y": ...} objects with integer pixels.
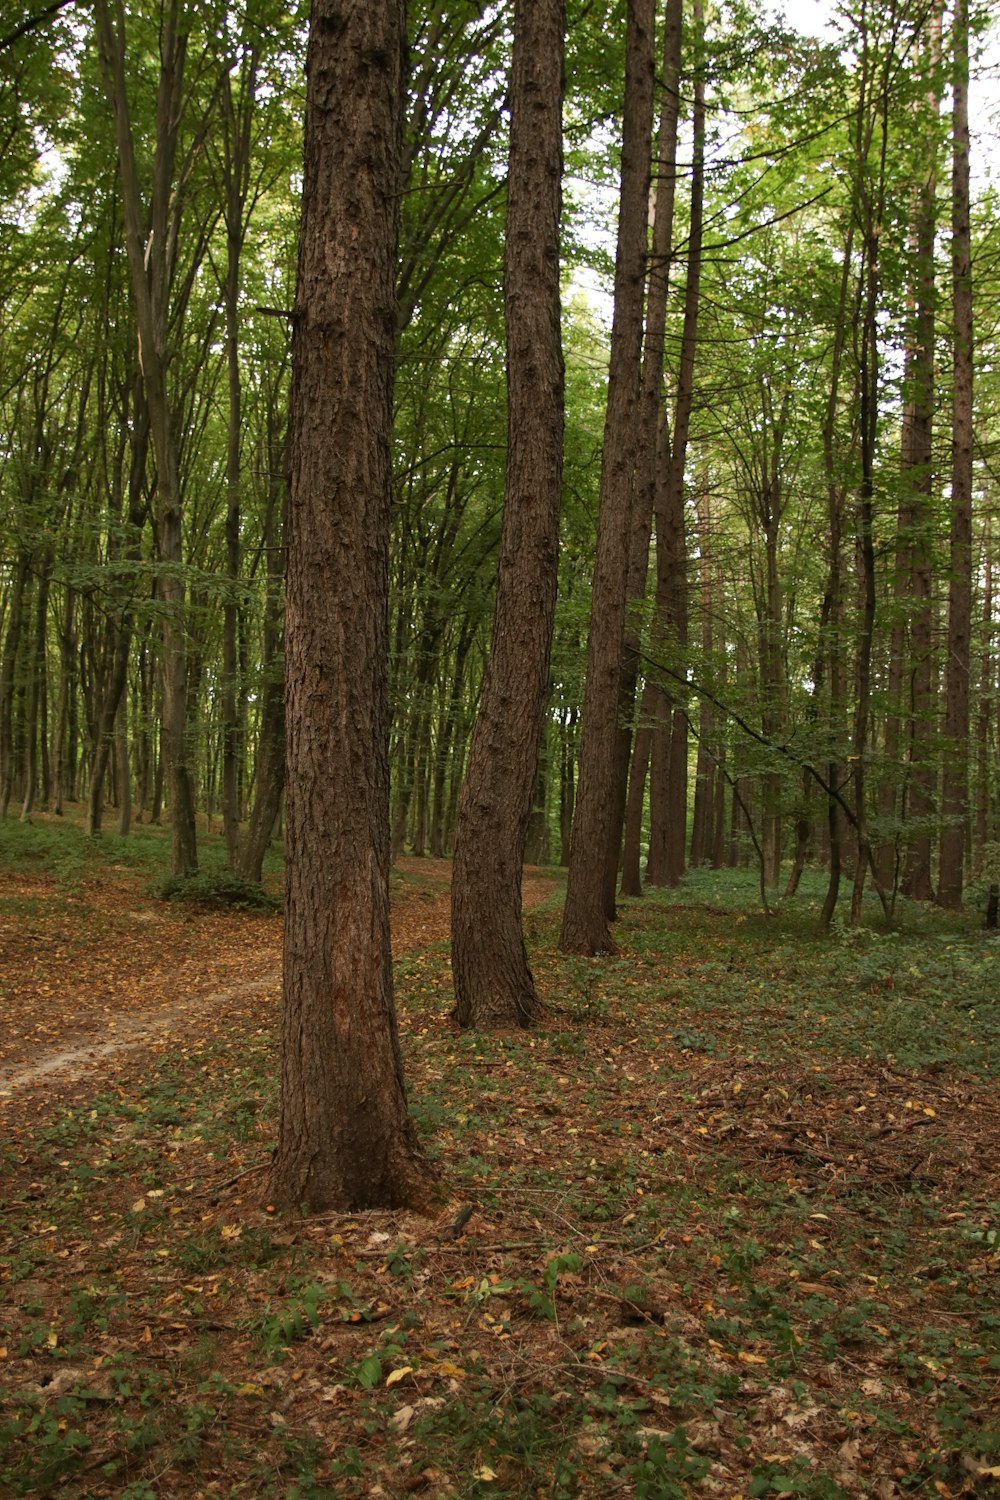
[
  {"x": 585, "y": 926},
  {"x": 345, "y": 1140},
  {"x": 493, "y": 982}
]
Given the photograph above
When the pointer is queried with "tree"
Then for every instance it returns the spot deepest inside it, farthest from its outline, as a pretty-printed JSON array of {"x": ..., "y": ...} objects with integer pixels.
[
  {"x": 955, "y": 788},
  {"x": 152, "y": 248},
  {"x": 595, "y": 827},
  {"x": 652, "y": 436},
  {"x": 493, "y": 982},
  {"x": 345, "y": 1140}
]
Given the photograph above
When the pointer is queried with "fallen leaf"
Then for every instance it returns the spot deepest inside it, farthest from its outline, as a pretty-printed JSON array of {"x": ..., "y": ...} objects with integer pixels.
[{"x": 401, "y": 1418}]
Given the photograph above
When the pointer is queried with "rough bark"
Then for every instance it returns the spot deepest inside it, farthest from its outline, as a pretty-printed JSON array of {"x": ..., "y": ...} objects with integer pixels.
[
  {"x": 585, "y": 927},
  {"x": 345, "y": 1140},
  {"x": 493, "y": 981}
]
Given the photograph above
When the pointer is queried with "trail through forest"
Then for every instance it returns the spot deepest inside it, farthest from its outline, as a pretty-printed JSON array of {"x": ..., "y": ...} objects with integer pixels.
[{"x": 151, "y": 975}]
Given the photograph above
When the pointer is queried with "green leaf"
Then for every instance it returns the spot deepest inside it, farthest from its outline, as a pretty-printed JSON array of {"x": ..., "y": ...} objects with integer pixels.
[{"x": 370, "y": 1372}]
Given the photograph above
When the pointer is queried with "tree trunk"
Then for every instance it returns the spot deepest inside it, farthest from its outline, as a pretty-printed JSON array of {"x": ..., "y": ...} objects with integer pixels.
[
  {"x": 150, "y": 275},
  {"x": 647, "y": 449},
  {"x": 585, "y": 927},
  {"x": 493, "y": 981},
  {"x": 668, "y": 797},
  {"x": 237, "y": 118},
  {"x": 955, "y": 784},
  {"x": 123, "y": 776},
  {"x": 703, "y": 821},
  {"x": 345, "y": 1140},
  {"x": 8, "y": 676},
  {"x": 917, "y": 510},
  {"x": 62, "y": 788},
  {"x": 36, "y": 687},
  {"x": 269, "y": 782}
]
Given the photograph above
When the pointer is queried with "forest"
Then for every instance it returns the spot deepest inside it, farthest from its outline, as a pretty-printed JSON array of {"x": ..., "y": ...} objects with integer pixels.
[{"x": 512, "y": 486}]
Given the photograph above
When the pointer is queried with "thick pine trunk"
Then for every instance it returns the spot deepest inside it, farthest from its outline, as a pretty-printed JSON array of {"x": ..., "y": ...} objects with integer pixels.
[{"x": 345, "y": 1140}]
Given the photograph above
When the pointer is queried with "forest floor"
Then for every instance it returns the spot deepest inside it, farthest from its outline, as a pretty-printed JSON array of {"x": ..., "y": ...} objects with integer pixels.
[{"x": 734, "y": 1229}]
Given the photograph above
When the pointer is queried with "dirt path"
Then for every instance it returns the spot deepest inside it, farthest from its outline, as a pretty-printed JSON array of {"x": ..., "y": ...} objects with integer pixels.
[{"x": 82, "y": 987}]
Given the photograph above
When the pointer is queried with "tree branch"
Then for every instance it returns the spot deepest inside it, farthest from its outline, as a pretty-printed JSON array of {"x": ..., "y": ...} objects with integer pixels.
[{"x": 32, "y": 23}]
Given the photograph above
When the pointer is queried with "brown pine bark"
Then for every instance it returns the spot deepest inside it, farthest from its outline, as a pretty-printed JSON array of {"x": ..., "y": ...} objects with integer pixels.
[
  {"x": 345, "y": 1140},
  {"x": 585, "y": 926},
  {"x": 955, "y": 783},
  {"x": 493, "y": 981}
]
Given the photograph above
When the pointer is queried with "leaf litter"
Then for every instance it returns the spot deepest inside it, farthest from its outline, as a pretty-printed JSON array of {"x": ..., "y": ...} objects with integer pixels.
[{"x": 691, "y": 1241}]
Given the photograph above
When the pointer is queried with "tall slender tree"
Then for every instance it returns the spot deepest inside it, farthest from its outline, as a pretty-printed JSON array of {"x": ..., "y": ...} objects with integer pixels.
[
  {"x": 596, "y": 828},
  {"x": 493, "y": 982},
  {"x": 955, "y": 786},
  {"x": 151, "y": 244}
]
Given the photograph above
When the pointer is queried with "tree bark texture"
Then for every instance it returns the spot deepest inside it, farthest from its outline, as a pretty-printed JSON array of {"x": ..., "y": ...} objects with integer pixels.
[
  {"x": 345, "y": 1140},
  {"x": 493, "y": 981},
  {"x": 585, "y": 928}
]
